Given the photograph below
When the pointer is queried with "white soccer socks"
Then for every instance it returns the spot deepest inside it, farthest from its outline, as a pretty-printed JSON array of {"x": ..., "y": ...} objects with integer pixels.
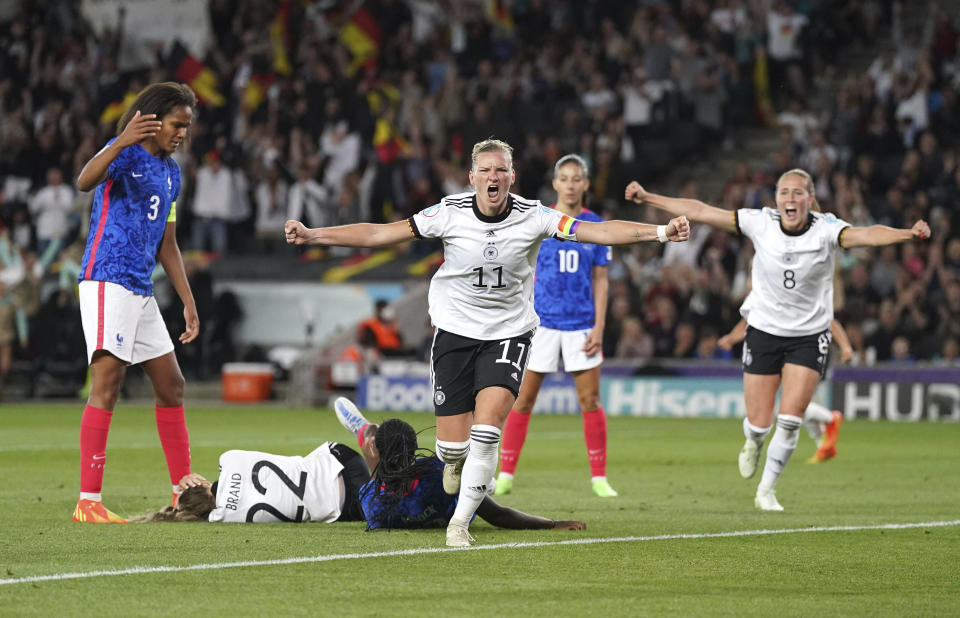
[
  {"x": 750, "y": 453},
  {"x": 453, "y": 454},
  {"x": 815, "y": 418},
  {"x": 477, "y": 473},
  {"x": 782, "y": 445}
]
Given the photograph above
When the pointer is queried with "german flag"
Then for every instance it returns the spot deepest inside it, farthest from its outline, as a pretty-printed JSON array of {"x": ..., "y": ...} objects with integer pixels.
[
  {"x": 196, "y": 75},
  {"x": 361, "y": 35},
  {"x": 111, "y": 113},
  {"x": 498, "y": 12},
  {"x": 279, "y": 39},
  {"x": 256, "y": 91}
]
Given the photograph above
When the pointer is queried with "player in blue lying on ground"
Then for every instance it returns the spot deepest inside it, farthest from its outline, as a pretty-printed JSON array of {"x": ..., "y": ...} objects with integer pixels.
[{"x": 333, "y": 483}]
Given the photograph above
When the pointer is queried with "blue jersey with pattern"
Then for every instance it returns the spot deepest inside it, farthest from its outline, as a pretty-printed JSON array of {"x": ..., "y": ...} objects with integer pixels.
[
  {"x": 128, "y": 219},
  {"x": 426, "y": 506},
  {"x": 563, "y": 289}
]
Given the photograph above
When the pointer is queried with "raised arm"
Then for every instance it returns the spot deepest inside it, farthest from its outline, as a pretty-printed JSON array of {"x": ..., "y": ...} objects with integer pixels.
[
  {"x": 627, "y": 232},
  {"x": 505, "y": 517},
  {"x": 694, "y": 210},
  {"x": 353, "y": 235},
  {"x": 880, "y": 235},
  {"x": 95, "y": 171}
]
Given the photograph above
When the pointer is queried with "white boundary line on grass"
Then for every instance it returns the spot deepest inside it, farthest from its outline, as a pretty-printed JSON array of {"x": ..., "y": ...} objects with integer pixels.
[{"x": 437, "y": 550}]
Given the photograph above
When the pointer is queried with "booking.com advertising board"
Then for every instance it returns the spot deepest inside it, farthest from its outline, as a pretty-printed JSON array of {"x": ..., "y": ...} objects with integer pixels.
[
  {"x": 622, "y": 396},
  {"x": 894, "y": 394}
]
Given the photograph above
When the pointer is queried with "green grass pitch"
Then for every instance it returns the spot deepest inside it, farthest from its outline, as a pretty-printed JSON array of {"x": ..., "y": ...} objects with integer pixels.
[{"x": 660, "y": 549}]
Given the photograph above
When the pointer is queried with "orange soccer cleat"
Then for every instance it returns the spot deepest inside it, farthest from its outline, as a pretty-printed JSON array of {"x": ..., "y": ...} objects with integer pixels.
[
  {"x": 93, "y": 512},
  {"x": 828, "y": 446}
]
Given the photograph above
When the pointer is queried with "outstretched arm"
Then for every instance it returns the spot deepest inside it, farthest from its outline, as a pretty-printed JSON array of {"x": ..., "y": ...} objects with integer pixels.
[
  {"x": 695, "y": 210},
  {"x": 505, "y": 517},
  {"x": 628, "y": 232},
  {"x": 353, "y": 235},
  {"x": 880, "y": 235}
]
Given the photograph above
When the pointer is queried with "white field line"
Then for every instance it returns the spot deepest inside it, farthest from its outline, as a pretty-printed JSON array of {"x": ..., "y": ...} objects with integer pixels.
[{"x": 438, "y": 550}]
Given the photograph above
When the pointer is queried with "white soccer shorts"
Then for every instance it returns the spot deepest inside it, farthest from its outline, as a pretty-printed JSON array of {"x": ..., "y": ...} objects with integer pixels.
[
  {"x": 549, "y": 345},
  {"x": 124, "y": 323}
]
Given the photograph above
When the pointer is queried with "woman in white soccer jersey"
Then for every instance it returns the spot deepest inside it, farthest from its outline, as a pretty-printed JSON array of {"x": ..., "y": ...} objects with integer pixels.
[
  {"x": 791, "y": 306},
  {"x": 481, "y": 303}
]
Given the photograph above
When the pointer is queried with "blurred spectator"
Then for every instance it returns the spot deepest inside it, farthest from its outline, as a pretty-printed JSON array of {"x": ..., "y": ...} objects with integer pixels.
[
  {"x": 634, "y": 342},
  {"x": 270, "y": 196},
  {"x": 52, "y": 208},
  {"x": 308, "y": 200},
  {"x": 212, "y": 204},
  {"x": 381, "y": 333}
]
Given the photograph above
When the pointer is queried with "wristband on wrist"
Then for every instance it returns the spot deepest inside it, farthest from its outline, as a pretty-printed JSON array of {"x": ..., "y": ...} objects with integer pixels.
[{"x": 662, "y": 233}]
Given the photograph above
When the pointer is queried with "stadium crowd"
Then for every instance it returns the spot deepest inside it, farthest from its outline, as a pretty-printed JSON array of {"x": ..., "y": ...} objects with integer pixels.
[{"x": 338, "y": 111}]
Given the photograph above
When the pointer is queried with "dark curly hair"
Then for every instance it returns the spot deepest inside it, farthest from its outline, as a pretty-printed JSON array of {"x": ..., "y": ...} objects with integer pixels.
[{"x": 402, "y": 462}]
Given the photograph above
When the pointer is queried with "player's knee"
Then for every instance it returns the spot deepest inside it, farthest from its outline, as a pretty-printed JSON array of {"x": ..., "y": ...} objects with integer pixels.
[
  {"x": 170, "y": 392},
  {"x": 589, "y": 401}
]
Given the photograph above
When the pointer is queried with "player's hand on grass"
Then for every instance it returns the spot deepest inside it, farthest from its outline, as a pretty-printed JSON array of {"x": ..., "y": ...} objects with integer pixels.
[
  {"x": 192, "y": 321},
  {"x": 139, "y": 128},
  {"x": 678, "y": 230},
  {"x": 296, "y": 232},
  {"x": 566, "y": 524}
]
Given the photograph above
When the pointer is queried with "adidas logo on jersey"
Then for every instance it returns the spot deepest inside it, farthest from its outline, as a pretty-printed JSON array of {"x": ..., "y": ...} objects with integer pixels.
[{"x": 491, "y": 233}]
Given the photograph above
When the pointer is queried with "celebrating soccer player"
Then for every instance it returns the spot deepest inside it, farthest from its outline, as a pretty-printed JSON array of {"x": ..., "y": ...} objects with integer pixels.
[{"x": 789, "y": 310}]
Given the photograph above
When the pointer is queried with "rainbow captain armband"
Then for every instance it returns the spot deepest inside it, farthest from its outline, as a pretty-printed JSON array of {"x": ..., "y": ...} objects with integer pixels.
[{"x": 567, "y": 227}]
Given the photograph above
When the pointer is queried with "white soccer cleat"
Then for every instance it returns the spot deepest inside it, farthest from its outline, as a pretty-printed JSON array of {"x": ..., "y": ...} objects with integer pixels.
[
  {"x": 767, "y": 501},
  {"x": 451, "y": 476},
  {"x": 349, "y": 415},
  {"x": 749, "y": 457},
  {"x": 458, "y": 536}
]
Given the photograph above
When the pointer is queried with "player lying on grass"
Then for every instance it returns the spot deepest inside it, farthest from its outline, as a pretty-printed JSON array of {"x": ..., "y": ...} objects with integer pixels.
[
  {"x": 822, "y": 424},
  {"x": 333, "y": 483}
]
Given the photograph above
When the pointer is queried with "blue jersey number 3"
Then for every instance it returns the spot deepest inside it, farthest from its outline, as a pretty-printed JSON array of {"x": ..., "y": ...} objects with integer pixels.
[{"x": 154, "y": 207}]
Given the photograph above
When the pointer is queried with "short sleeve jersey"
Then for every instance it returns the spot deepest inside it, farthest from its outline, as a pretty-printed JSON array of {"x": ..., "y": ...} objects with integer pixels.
[
  {"x": 792, "y": 274},
  {"x": 484, "y": 289},
  {"x": 262, "y": 488},
  {"x": 127, "y": 221},
  {"x": 563, "y": 290},
  {"x": 427, "y": 505}
]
